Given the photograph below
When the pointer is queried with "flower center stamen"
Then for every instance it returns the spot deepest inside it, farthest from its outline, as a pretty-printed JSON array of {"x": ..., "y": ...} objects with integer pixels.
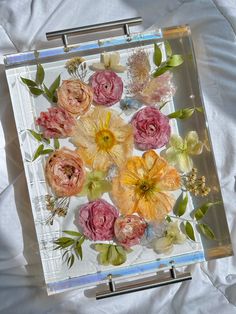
[{"x": 105, "y": 139}]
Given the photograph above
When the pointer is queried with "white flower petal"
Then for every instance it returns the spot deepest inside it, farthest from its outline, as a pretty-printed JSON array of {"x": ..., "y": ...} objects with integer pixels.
[
  {"x": 163, "y": 245},
  {"x": 185, "y": 163},
  {"x": 114, "y": 59},
  {"x": 176, "y": 141},
  {"x": 171, "y": 155},
  {"x": 97, "y": 66},
  {"x": 194, "y": 146},
  {"x": 180, "y": 238},
  {"x": 105, "y": 59},
  {"x": 118, "y": 68}
]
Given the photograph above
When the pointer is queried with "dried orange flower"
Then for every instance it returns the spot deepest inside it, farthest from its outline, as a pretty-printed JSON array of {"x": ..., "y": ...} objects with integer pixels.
[
  {"x": 143, "y": 186},
  {"x": 103, "y": 139}
]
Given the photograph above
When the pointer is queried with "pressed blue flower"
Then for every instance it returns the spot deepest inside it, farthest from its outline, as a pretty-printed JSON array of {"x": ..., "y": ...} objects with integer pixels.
[{"x": 130, "y": 105}]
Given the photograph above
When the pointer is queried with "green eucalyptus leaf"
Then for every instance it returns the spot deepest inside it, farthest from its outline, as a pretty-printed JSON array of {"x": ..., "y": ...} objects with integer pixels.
[
  {"x": 56, "y": 143},
  {"x": 36, "y": 135},
  {"x": 157, "y": 55},
  {"x": 100, "y": 247},
  {"x": 112, "y": 254},
  {"x": 202, "y": 210},
  {"x": 54, "y": 86},
  {"x": 182, "y": 205},
  {"x": 168, "y": 49},
  {"x": 40, "y": 74},
  {"x": 36, "y": 91},
  {"x": 175, "y": 60},
  {"x": 206, "y": 231},
  {"x": 189, "y": 230},
  {"x": 38, "y": 152},
  {"x": 102, "y": 259},
  {"x": 28, "y": 82},
  {"x": 120, "y": 250},
  {"x": 72, "y": 233},
  {"x": 121, "y": 258}
]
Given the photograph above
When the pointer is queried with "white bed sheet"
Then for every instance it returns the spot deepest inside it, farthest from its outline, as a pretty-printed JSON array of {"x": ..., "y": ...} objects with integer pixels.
[{"x": 23, "y": 24}]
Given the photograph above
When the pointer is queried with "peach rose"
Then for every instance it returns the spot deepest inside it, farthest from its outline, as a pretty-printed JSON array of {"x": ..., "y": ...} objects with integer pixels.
[
  {"x": 65, "y": 172},
  {"x": 75, "y": 97},
  {"x": 129, "y": 230}
]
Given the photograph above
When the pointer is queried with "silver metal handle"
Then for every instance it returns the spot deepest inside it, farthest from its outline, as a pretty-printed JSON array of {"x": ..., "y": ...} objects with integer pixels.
[
  {"x": 120, "y": 26},
  {"x": 112, "y": 289}
]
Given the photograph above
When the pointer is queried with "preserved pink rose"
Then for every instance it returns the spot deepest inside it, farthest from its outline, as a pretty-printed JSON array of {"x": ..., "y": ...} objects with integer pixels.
[
  {"x": 107, "y": 87},
  {"x": 56, "y": 123},
  {"x": 75, "y": 97},
  {"x": 151, "y": 128},
  {"x": 129, "y": 230},
  {"x": 97, "y": 220},
  {"x": 65, "y": 172},
  {"x": 158, "y": 89}
]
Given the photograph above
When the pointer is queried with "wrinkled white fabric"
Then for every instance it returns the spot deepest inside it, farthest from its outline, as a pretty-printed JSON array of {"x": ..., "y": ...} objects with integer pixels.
[{"x": 23, "y": 25}]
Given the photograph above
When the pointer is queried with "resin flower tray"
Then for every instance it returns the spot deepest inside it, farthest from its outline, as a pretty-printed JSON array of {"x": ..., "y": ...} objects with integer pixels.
[{"x": 117, "y": 156}]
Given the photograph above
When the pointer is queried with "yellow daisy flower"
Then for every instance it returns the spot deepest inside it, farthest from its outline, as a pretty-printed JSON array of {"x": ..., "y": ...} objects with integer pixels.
[
  {"x": 143, "y": 184},
  {"x": 103, "y": 139}
]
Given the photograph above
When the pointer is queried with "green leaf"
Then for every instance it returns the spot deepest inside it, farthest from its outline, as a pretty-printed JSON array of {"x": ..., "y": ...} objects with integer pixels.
[
  {"x": 36, "y": 135},
  {"x": 46, "y": 140},
  {"x": 64, "y": 254},
  {"x": 189, "y": 231},
  {"x": 175, "y": 114},
  {"x": 182, "y": 113},
  {"x": 36, "y": 91},
  {"x": 63, "y": 240},
  {"x": 56, "y": 143},
  {"x": 157, "y": 55},
  {"x": 175, "y": 60},
  {"x": 55, "y": 85},
  {"x": 102, "y": 259},
  {"x": 206, "y": 231},
  {"x": 72, "y": 233},
  {"x": 102, "y": 248},
  {"x": 201, "y": 211},
  {"x": 28, "y": 82},
  {"x": 39, "y": 74},
  {"x": 163, "y": 105},
  {"x": 78, "y": 251},
  {"x": 168, "y": 219},
  {"x": 168, "y": 49},
  {"x": 182, "y": 205},
  {"x": 47, "y": 92},
  {"x": 71, "y": 261},
  {"x": 38, "y": 152},
  {"x": 62, "y": 243},
  {"x": 199, "y": 109},
  {"x": 161, "y": 70},
  {"x": 46, "y": 151}
]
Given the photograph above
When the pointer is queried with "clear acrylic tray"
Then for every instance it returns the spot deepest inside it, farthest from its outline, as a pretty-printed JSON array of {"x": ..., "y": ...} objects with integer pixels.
[{"x": 210, "y": 229}]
